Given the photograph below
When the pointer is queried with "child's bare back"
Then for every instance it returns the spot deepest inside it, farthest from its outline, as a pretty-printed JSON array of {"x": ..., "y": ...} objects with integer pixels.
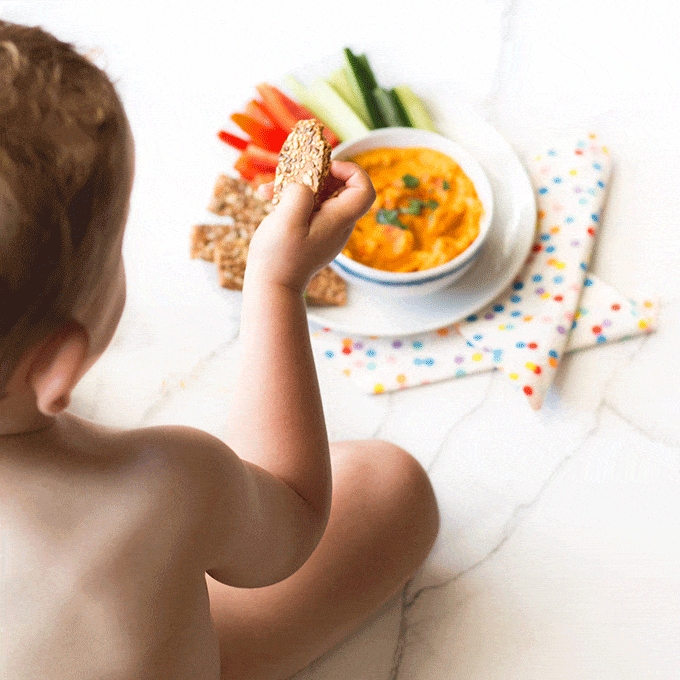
[
  {"x": 163, "y": 552},
  {"x": 105, "y": 554}
]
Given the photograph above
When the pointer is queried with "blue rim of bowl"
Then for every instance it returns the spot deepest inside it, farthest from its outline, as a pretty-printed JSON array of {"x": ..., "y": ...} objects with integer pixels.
[{"x": 418, "y": 282}]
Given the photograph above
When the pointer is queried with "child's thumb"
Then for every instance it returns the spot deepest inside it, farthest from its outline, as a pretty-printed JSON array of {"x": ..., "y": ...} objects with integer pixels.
[{"x": 296, "y": 202}]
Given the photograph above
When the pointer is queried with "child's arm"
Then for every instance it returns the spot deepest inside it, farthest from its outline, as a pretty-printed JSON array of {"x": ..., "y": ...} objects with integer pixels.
[{"x": 276, "y": 420}]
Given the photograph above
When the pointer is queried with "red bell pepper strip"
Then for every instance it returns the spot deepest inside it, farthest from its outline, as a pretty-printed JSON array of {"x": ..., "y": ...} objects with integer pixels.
[
  {"x": 257, "y": 160},
  {"x": 297, "y": 109},
  {"x": 264, "y": 136},
  {"x": 262, "y": 157},
  {"x": 262, "y": 178},
  {"x": 276, "y": 107},
  {"x": 244, "y": 168},
  {"x": 232, "y": 140},
  {"x": 256, "y": 164},
  {"x": 330, "y": 136},
  {"x": 256, "y": 110},
  {"x": 302, "y": 113}
]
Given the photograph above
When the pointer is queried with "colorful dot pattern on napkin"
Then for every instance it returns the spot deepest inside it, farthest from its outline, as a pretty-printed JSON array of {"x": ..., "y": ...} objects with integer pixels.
[
  {"x": 532, "y": 320},
  {"x": 376, "y": 365},
  {"x": 552, "y": 307}
]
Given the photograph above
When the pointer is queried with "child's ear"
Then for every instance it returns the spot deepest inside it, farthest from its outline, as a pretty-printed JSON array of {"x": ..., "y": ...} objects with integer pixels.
[{"x": 58, "y": 366}]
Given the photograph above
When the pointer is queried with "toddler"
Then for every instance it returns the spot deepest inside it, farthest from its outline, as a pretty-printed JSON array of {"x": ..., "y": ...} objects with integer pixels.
[{"x": 163, "y": 553}]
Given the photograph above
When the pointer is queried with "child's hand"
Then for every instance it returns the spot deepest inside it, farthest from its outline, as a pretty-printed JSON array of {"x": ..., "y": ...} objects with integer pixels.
[{"x": 288, "y": 247}]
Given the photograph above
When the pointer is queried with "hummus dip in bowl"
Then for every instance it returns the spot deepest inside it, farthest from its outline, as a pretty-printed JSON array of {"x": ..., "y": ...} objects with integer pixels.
[{"x": 432, "y": 213}]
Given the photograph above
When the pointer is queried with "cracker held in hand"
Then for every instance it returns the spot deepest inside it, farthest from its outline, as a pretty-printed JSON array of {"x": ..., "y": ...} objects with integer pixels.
[{"x": 305, "y": 158}]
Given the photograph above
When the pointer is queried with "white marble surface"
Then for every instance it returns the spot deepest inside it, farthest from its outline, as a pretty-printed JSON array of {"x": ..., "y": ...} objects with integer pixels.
[{"x": 559, "y": 553}]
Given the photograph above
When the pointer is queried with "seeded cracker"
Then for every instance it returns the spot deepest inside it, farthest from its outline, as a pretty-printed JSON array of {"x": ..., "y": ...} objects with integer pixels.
[
  {"x": 230, "y": 258},
  {"x": 326, "y": 288},
  {"x": 227, "y": 244},
  {"x": 305, "y": 158},
  {"x": 237, "y": 199},
  {"x": 204, "y": 237}
]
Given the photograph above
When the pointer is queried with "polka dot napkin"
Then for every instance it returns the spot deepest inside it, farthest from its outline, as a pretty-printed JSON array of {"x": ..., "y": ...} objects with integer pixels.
[{"x": 553, "y": 306}]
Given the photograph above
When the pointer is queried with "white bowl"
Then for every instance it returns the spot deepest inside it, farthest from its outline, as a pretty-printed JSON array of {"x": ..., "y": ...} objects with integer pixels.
[{"x": 404, "y": 284}]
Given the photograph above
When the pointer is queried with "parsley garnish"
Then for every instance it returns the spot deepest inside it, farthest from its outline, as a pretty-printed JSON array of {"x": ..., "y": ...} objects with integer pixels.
[
  {"x": 389, "y": 217},
  {"x": 410, "y": 182},
  {"x": 386, "y": 216},
  {"x": 415, "y": 205},
  {"x": 446, "y": 185}
]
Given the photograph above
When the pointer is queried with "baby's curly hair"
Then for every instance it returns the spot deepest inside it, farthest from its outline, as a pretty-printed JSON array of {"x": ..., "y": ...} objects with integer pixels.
[{"x": 62, "y": 183}]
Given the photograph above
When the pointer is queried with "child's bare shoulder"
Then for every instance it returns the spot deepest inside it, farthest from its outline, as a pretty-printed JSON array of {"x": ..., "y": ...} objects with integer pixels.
[
  {"x": 176, "y": 488},
  {"x": 178, "y": 445},
  {"x": 165, "y": 462},
  {"x": 169, "y": 486},
  {"x": 189, "y": 461},
  {"x": 183, "y": 460}
]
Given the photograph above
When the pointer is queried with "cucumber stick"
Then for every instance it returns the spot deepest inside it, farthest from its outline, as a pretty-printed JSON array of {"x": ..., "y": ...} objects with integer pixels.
[
  {"x": 297, "y": 88},
  {"x": 393, "y": 116},
  {"x": 368, "y": 71},
  {"x": 416, "y": 112},
  {"x": 338, "y": 114},
  {"x": 339, "y": 81},
  {"x": 362, "y": 85},
  {"x": 401, "y": 111},
  {"x": 329, "y": 107}
]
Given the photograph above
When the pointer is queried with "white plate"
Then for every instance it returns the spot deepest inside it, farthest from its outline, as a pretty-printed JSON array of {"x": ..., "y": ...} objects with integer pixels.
[{"x": 510, "y": 236}]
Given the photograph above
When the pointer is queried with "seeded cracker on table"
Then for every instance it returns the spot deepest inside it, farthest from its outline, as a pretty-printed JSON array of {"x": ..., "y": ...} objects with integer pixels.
[{"x": 227, "y": 244}]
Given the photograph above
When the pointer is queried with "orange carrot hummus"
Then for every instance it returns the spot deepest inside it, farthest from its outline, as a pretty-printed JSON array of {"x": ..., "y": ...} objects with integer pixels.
[{"x": 426, "y": 212}]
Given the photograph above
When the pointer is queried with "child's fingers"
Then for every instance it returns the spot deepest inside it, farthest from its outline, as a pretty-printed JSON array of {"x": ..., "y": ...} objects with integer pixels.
[
  {"x": 335, "y": 220},
  {"x": 295, "y": 204},
  {"x": 345, "y": 170},
  {"x": 356, "y": 196}
]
